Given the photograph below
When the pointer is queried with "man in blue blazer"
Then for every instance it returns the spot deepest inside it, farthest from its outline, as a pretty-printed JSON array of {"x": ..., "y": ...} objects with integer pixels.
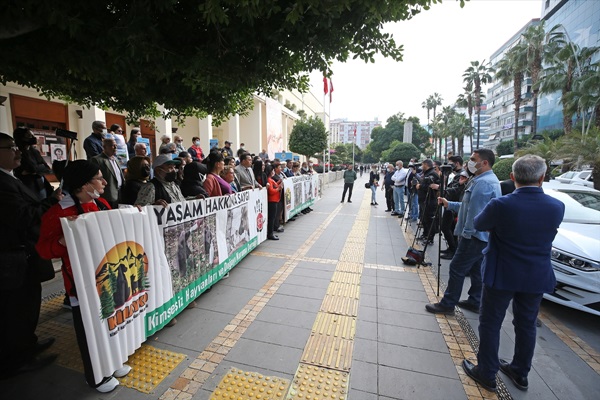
[{"x": 517, "y": 267}]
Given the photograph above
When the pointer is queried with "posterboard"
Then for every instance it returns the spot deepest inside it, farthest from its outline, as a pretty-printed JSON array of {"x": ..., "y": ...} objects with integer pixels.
[{"x": 300, "y": 192}]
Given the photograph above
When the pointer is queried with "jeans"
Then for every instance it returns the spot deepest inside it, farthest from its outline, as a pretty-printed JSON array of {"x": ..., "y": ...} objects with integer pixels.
[
  {"x": 347, "y": 187},
  {"x": 494, "y": 303},
  {"x": 468, "y": 257},
  {"x": 373, "y": 193},
  {"x": 399, "y": 199},
  {"x": 414, "y": 206}
]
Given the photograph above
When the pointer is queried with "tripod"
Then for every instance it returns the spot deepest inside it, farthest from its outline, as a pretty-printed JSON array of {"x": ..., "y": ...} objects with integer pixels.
[{"x": 408, "y": 210}]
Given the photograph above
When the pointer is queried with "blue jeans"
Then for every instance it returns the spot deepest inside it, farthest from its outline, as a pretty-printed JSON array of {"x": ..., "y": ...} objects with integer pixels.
[
  {"x": 494, "y": 303},
  {"x": 468, "y": 257},
  {"x": 414, "y": 207},
  {"x": 399, "y": 199},
  {"x": 373, "y": 192}
]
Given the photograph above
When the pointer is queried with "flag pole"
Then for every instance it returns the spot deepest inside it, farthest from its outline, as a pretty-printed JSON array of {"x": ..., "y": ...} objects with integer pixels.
[{"x": 353, "y": 144}]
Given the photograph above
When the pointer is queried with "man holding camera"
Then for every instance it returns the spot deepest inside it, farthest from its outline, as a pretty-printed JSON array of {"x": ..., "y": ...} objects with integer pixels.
[
  {"x": 427, "y": 191},
  {"x": 453, "y": 193},
  {"x": 482, "y": 188}
]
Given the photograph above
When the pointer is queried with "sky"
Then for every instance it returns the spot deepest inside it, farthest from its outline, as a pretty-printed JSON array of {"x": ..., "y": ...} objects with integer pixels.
[{"x": 439, "y": 45}]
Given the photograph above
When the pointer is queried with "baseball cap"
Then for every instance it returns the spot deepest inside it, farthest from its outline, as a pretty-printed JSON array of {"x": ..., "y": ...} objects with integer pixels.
[{"x": 164, "y": 159}]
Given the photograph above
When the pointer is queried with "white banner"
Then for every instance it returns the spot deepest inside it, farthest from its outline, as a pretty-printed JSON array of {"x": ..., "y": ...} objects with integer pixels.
[
  {"x": 135, "y": 271},
  {"x": 300, "y": 192}
]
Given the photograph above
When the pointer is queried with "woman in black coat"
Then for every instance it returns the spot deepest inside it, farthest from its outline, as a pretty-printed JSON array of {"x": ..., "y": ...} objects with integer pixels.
[{"x": 194, "y": 174}]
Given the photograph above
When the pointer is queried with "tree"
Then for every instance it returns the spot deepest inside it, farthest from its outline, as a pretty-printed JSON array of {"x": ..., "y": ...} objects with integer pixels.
[
  {"x": 420, "y": 136},
  {"x": 433, "y": 102},
  {"x": 466, "y": 100},
  {"x": 308, "y": 137},
  {"x": 583, "y": 148},
  {"x": 476, "y": 75},
  {"x": 512, "y": 68},
  {"x": 460, "y": 126},
  {"x": 534, "y": 39},
  {"x": 192, "y": 57},
  {"x": 545, "y": 148},
  {"x": 502, "y": 168},
  {"x": 400, "y": 151}
]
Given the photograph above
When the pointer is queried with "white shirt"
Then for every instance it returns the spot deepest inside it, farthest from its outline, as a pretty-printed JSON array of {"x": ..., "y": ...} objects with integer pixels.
[{"x": 400, "y": 176}]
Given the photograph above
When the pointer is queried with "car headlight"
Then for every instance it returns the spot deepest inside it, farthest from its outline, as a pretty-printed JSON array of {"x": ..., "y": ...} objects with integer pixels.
[{"x": 574, "y": 261}]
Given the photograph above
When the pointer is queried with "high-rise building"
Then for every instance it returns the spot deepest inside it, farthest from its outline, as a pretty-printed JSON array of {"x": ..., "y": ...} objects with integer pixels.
[{"x": 342, "y": 131}]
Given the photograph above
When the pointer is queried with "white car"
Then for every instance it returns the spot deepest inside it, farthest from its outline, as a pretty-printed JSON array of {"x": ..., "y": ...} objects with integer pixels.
[
  {"x": 576, "y": 248},
  {"x": 583, "y": 178}
]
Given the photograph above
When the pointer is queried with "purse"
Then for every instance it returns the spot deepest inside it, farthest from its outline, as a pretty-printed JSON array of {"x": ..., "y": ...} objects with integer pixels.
[
  {"x": 367, "y": 185},
  {"x": 13, "y": 267}
]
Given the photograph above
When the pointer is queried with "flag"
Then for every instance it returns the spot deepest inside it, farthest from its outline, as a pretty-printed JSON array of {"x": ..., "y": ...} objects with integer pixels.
[
  {"x": 325, "y": 89},
  {"x": 330, "y": 89}
]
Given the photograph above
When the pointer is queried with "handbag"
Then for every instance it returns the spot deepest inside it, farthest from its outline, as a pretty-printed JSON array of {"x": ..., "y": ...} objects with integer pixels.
[
  {"x": 43, "y": 269},
  {"x": 13, "y": 267},
  {"x": 367, "y": 185}
]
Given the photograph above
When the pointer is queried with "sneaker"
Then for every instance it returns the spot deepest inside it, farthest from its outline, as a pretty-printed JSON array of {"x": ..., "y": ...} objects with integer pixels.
[
  {"x": 123, "y": 371},
  {"x": 107, "y": 385},
  {"x": 66, "y": 303}
]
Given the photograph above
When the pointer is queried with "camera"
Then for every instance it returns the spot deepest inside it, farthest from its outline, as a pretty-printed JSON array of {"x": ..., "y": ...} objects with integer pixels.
[
  {"x": 428, "y": 180},
  {"x": 414, "y": 181},
  {"x": 66, "y": 134},
  {"x": 446, "y": 168}
]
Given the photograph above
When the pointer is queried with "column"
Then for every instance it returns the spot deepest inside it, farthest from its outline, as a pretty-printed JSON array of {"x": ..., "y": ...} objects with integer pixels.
[
  {"x": 233, "y": 132},
  {"x": 205, "y": 133}
]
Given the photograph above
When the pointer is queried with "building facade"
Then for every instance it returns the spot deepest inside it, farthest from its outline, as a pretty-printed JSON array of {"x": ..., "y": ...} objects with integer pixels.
[{"x": 343, "y": 131}]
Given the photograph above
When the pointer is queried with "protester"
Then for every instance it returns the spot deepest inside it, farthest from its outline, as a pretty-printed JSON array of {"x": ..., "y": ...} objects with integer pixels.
[
  {"x": 288, "y": 169},
  {"x": 273, "y": 194},
  {"x": 117, "y": 132},
  {"x": 227, "y": 150},
  {"x": 138, "y": 175},
  {"x": 111, "y": 171},
  {"x": 516, "y": 267},
  {"x": 296, "y": 168},
  {"x": 194, "y": 175},
  {"x": 482, "y": 188},
  {"x": 93, "y": 143},
  {"x": 20, "y": 288},
  {"x": 133, "y": 137},
  {"x": 84, "y": 183},
  {"x": 258, "y": 169},
  {"x": 373, "y": 184},
  {"x": 165, "y": 141},
  {"x": 245, "y": 174},
  {"x": 228, "y": 175},
  {"x": 349, "y": 178},
  {"x": 140, "y": 149},
  {"x": 213, "y": 183},
  {"x": 195, "y": 150},
  {"x": 263, "y": 155},
  {"x": 162, "y": 189},
  {"x": 178, "y": 144}
]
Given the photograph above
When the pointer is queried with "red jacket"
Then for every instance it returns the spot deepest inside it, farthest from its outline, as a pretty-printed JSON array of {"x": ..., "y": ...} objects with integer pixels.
[
  {"x": 273, "y": 193},
  {"x": 51, "y": 231}
]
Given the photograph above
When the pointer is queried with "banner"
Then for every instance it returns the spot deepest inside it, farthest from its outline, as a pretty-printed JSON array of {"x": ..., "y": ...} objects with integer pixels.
[
  {"x": 300, "y": 192},
  {"x": 135, "y": 271}
]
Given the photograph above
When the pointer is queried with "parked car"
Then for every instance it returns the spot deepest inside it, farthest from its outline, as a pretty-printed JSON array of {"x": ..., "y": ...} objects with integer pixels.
[
  {"x": 583, "y": 178},
  {"x": 576, "y": 248}
]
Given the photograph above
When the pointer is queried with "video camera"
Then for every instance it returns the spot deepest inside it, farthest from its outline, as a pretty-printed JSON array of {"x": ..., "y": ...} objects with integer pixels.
[
  {"x": 66, "y": 134},
  {"x": 446, "y": 168}
]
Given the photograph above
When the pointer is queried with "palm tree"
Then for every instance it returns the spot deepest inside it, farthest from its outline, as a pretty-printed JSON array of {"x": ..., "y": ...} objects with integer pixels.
[
  {"x": 476, "y": 75},
  {"x": 512, "y": 68},
  {"x": 459, "y": 126},
  {"x": 435, "y": 100},
  {"x": 465, "y": 100},
  {"x": 534, "y": 41},
  {"x": 446, "y": 132},
  {"x": 545, "y": 148},
  {"x": 583, "y": 148},
  {"x": 565, "y": 70},
  {"x": 426, "y": 106}
]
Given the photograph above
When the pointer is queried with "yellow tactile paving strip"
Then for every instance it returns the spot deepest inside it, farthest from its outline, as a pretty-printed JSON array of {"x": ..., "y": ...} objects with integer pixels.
[
  {"x": 240, "y": 385},
  {"x": 579, "y": 347},
  {"x": 149, "y": 367},
  {"x": 192, "y": 379},
  {"x": 328, "y": 351}
]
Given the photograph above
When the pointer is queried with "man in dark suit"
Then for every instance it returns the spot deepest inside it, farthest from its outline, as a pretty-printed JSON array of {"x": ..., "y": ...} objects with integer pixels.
[
  {"x": 111, "y": 171},
  {"x": 20, "y": 288},
  {"x": 517, "y": 267},
  {"x": 93, "y": 143}
]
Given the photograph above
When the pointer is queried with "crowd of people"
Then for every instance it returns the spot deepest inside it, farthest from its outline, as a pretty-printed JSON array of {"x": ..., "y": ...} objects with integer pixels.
[
  {"x": 32, "y": 233},
  {"x": 488, "y": 232}
]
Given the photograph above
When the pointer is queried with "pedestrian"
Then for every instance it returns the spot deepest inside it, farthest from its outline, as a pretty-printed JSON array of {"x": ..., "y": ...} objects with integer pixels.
[
  {"x": 399, "y": 179},
  {"x": 481, "y": 189},
  {"x": 388, "y": 186},
  {"x": 517, "y": 267},
  {"x": 349, "y": 178},
  {"x": 374, "y": 184}
]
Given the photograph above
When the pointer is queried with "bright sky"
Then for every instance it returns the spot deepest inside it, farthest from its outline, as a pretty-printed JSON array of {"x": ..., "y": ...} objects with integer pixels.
[{"x": 439, "y": 45}]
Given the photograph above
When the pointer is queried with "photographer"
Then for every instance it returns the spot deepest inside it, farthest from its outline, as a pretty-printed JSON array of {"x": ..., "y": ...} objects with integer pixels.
[
  {"x": 427, "y": 191},
  {"x": 454, "y": 193},
  {"x": 413, "y": 201}
]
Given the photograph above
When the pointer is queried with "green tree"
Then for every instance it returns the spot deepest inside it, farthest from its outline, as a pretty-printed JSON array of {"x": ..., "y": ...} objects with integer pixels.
[
  {"x": 512, "y": 68},
  {"x": 400, "y": 151},
  {"x": 466, "y": 100},
  {"x": 545, "y": 148},
  {"x": 460, "y": 126},
  {"x": 192, "y": 57},
  {"x": 476, "y": 75},
  {"x": 503, "y": 168},
  {"x": 507, "y": 147},
  {"x": 534, "y": 40},
  {"x": 107, "y": 303},
  {"x": 583, "y": 148},
  {"x": 434, "y": 101},
  {"x": 420, "y": 136},
  {"x": 308, "y": 137}
]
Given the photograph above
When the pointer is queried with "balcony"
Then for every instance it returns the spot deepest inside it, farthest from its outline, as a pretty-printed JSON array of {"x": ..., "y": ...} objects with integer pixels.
[{"x": 526, "y": 109}]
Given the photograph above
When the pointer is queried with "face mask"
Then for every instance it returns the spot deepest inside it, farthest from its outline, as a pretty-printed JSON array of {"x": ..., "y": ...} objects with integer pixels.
[
  {"x": 145, "y": 172},
  {"x": 94, "y": 195},
  {"x": 197, "y": 143},
  {"x": 472, "y": 166},
  {"x": 170, "y": 176},
  {"x": 104, "y": 132}
]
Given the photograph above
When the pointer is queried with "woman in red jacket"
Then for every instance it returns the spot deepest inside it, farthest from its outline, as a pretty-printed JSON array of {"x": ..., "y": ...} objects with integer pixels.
[
  {"x": 84, "y": 184},
  {"x": 273, "y": 195}
]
